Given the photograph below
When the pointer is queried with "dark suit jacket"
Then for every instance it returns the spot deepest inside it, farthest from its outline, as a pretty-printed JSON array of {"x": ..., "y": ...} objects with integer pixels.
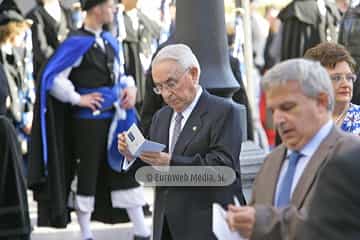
[
  {"x": 136, "y": 42},
  {"x": 348, "y": 34},
  {"x": 211, "y": 136},
  {"x": 334, "y": 212},
  {"x": 304, "y": 27},
  {"x": 47, "y": 34},
  {"x": 4, "y": 90},
  {"x": 273, "y": 223}
]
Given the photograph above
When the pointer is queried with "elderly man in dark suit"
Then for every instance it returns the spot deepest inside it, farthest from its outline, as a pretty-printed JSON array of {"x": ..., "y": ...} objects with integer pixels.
[
  {"x": 199, "y": 130},
  {"x": 300, "y": 95}
]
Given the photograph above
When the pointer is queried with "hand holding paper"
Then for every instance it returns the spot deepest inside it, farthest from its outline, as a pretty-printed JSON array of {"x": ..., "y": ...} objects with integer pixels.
[
  {"x": 241, "y": 219},
  {"x": 220, "y": 226},
  {"x": 137, "y": 144},
  {"x": 156, "y": 158},
  {"x": 132, "y": 144},
  {"x": 123, "y": 147}
]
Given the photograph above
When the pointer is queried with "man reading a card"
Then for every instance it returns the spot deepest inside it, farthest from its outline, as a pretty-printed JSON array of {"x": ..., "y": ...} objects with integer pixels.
[{"x": 198, "y": 129}]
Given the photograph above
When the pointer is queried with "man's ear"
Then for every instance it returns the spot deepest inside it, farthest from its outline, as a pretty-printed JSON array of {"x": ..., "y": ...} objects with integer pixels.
[
  {"x": 194, "y": 72},
  {"x": 323, "y": 99}
]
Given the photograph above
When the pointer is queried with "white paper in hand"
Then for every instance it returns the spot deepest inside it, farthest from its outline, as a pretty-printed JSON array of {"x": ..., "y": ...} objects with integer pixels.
[
  {"x": 220, "y": 227},
  {"x": 137, "y": 144}
]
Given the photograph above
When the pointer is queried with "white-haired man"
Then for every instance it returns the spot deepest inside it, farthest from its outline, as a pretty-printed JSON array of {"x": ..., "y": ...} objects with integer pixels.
[{"x": 199, "y": 130}]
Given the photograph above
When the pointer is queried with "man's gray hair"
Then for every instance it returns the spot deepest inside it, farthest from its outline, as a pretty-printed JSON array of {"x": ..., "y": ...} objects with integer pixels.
[
  {"x": 179, "y": 53},
  {"x": 312, "y": 77}
]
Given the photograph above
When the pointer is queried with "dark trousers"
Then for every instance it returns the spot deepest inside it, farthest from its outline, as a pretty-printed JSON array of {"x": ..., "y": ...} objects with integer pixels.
[{"x": 166, "y": 234}]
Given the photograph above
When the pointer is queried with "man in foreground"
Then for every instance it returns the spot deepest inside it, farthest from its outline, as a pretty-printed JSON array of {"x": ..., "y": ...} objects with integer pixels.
[{"x": 300, "y": 95}]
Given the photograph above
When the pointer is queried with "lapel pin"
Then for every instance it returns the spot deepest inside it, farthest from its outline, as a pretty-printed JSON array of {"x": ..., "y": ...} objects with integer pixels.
[{"x": 194, "y": 128}]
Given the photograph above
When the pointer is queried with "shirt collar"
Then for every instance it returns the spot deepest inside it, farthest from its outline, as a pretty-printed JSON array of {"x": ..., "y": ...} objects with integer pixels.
[
  {"x": 7, "y": 48},
  {"x": 53, "y": 9},
  {"x": 97, "y": 33},
  {"x": 316, "y": 140},
  {"x": 132, "y": 13}
]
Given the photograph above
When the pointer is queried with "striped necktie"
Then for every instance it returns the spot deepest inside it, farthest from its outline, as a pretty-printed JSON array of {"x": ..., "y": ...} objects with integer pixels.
[{"x": 176, "y": 130}]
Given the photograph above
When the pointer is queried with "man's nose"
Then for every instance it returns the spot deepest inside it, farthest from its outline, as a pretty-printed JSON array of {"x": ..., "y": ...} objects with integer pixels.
[{"x": 278, "y": 117}]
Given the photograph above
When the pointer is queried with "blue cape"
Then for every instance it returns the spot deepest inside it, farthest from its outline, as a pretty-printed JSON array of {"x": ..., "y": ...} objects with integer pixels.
[{"x": 65, "y": 56}]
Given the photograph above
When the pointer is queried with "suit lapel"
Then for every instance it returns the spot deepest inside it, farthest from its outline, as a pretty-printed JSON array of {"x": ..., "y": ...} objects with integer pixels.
[
  {"x": 193, "y": 124},
  {"x": 272, "y": 174},
  {"x": 131, "y": 34},
  {"x": 309, "y": 175},
  {"x": 164, "y": 123},
  {"x": 50, "y": 21}
]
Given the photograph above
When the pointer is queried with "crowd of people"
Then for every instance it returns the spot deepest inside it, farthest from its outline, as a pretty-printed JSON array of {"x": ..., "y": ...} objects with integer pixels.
[{"x": 73, "y": 82}]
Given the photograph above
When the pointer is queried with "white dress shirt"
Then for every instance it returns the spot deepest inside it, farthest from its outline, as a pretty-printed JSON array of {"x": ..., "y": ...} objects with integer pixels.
[
  {"x": 54, "y": 10},
  {"x": 307, "y": 152},
  {"x": 133, "y": 15}
]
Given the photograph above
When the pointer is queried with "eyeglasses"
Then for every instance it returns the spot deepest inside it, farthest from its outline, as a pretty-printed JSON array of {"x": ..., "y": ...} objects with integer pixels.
[
  {"x": 170, "y": 84},
  {"x": 337, "y": 77}
]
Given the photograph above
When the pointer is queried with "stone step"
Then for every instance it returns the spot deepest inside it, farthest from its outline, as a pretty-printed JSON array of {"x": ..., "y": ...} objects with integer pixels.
[{"x": 101, "y": 231}]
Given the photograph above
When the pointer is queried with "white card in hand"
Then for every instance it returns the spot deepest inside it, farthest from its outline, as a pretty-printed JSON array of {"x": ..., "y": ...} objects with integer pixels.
[
  {"x": 220, "y": 227},
  {"x": 137, "y": 144}
]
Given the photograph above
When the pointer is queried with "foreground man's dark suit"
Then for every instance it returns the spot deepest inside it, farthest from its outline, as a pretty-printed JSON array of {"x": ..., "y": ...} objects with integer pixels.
[
  {"x": 334, "y": 212},
  {"x": 211, "y": 136}
]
